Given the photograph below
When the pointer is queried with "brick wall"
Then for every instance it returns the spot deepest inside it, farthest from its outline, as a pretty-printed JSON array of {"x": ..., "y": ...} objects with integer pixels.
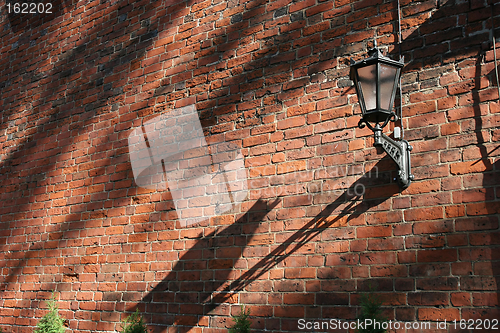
[{"x": 323, "y": 221}]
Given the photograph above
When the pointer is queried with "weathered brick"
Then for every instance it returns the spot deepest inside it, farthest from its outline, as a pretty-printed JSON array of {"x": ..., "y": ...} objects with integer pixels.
[
  {"x": 271, "y": 79},
  {"x": 470, "y": 167}
]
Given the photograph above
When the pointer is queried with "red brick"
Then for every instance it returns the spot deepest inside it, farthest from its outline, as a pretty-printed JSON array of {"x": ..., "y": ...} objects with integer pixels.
[
  {"x": 428, "y": 241},
  {"x": 419, "y": 108},
  {"x": 428, "y": 298},
  {"x": 470, "y": 167},
  {"x": 300, "y": 109},
  {"x": 291, "y": 167},
  {"x": 474, "y": 283},
  {"x": 431, "y": 213},
  {"x": 437, "y": 255},
  {"x": 427, "y": 120},
  {"x": 460, "y": 299},
  {"x": 391, "y": 270},
  {"x": 428, "y": 314},
  {"x": 378, "y": 231},
  {"x": 451, "y": 128},
  {"x": 491, "y": 238},
  {"x": 291, "y": 122},
  {"x": 433, "y": 227},
  {"x": 299, "y": 132},
  {"x": 378, "y": 258},
  {"x": 385, "y": 244},
  {"x": 269, "y": 77},
  {"x": 255, "y": 140},
  {"x": 455, "y": 211}
]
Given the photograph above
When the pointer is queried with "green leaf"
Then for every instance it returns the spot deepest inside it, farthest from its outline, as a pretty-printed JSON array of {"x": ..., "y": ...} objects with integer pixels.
[
  {"x": 51, "y": 322},
  {"x": 241, "y": 322},
  {"x": 134, "y": 324},
  {"x": 371, "y": 309}
]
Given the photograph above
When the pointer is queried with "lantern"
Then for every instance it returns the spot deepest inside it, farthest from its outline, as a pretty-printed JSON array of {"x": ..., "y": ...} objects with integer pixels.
[{"x": 376, "y": 79}]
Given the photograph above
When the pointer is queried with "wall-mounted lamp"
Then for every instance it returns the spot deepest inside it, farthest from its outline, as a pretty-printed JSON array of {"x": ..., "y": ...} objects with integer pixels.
[{"x": 376, "y": 79}]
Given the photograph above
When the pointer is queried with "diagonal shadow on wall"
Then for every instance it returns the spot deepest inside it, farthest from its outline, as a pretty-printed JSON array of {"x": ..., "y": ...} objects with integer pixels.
[
  {"x": 440, "y": 41},
  {"x": 428, "y": 60},
  {"x": 186, "y": 302},
  {"x": 118, "y": 59},
  {"x": 490, "y": 178},
  {"x": 52, "y": 126},
  {"x": 66, "y": 123},
  {"x": 54, "y": 123}
]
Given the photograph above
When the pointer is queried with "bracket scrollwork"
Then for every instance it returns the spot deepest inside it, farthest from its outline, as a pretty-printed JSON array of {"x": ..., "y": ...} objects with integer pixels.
[{"x": 399, "y": 151}]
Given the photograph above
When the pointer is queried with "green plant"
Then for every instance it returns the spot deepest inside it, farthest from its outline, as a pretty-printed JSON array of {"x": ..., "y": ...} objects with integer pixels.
[
  {"x": 134, "y": 324},
  {"x": 371, "y": 314},
  {"x": 241, "y": 322},
  {"x": 51, "y": 322}
]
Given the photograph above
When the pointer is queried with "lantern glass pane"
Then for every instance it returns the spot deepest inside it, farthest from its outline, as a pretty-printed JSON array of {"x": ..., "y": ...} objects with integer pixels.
[
  {"x": 367, "y": 77},
  {"x": 387, "y": 81}
]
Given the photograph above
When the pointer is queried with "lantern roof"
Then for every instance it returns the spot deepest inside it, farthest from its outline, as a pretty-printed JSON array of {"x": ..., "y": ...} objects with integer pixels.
[{"x": 376, "y": 56}]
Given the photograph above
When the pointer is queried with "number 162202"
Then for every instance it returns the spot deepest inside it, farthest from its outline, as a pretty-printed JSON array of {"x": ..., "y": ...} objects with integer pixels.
[{"x": 29, "y": 8}]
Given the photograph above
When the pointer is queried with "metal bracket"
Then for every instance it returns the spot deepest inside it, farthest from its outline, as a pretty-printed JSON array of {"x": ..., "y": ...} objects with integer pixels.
[
  {"x": 399, "y": 151},
  {"x": 392, "y": 117}
]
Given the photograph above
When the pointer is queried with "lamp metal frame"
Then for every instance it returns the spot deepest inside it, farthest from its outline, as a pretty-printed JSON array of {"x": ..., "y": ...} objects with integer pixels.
[{"x": 399, "y": 151}]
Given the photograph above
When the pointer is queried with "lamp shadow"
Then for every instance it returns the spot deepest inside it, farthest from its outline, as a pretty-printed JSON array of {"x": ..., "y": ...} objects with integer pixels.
[
  {"x": 456, "y": 44},
  {"x": 222, "y": 287},
  {"x": 202, "y": 280}
]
